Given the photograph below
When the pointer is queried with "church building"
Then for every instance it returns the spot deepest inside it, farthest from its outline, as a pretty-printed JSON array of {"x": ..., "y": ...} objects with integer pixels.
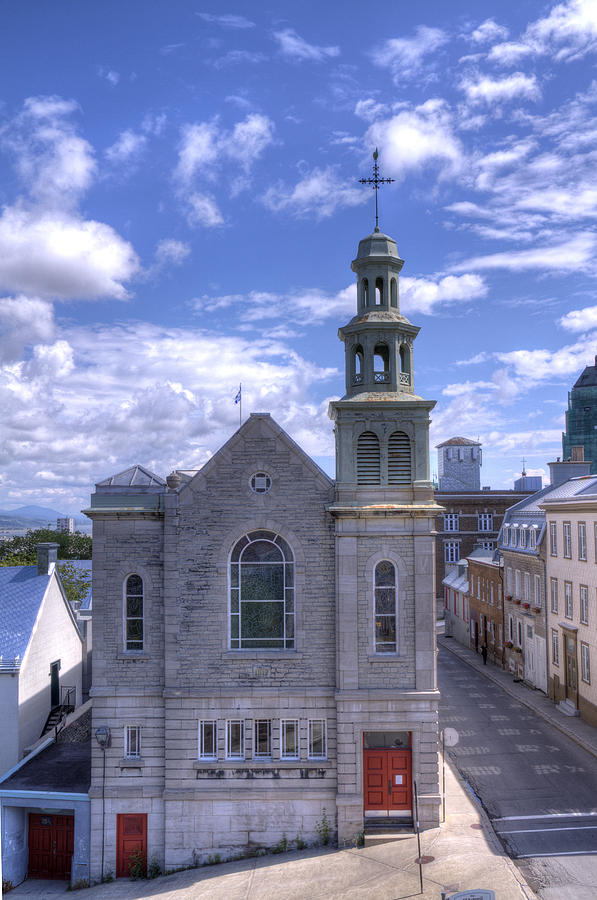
[{"x": 264, "y": 637}]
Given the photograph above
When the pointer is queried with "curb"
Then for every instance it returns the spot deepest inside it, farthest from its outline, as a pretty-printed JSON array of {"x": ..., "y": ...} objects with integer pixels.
[{"x": 557, "y": 724}]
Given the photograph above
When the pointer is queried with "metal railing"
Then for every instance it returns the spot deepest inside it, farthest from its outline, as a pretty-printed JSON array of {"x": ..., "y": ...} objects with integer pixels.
[
  {"x": 67, "y": 695},
  {"x": 404, "y": 378},
  {"x": 381, "y": 377}
]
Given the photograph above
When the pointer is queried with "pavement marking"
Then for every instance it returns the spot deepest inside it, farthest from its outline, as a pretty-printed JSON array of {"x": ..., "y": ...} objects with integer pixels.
[
  {"x": 544, "y": 816},
  {"x": 543, "y": 830},
  {"x": 562, "y": 853}
]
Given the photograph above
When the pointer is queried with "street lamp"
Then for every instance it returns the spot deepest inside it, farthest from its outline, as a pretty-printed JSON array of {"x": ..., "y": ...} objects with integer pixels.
[{"x": 102, "y": 736}]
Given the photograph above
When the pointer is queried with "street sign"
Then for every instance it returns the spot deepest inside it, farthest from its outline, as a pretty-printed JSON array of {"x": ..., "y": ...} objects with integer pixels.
[{"x": 451, "y": 738}]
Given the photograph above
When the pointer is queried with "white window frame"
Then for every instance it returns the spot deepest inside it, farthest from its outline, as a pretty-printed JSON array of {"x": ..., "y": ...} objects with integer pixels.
[
  {"x": 523, "y": 537},
  {"x": 585, "y": 662},
  {"x": 500, "y": 636},
  {"x": 533, "y": 537},
  {"x": 554, "y": 596},
  {"x": 514, "y": 536},
  {"x": 509, "y": 581},
  {"x": 537, "y": 599},
  {"x": 553, "y": 539},
  {"x": 567, "y": 532},
  {"x": 519, "y": 632},
  {"x": 583, "y": 592},
  {"x": 582, "y": 541},
  {"x": 451, "y": 551},
  {"x": 230, "y": 724},
  {"x": 555, "y": 647},
  {"x": 267, "y": 753},
  {"x": 132, "y": 742},
  {"x": 517, "y": 593},
  {"x": 322, "y": 723},
  {"x": 510, "y": 628},
  {"x": 285, "y": 726},
  {"x": 485, "y": 522},
  {"x": 202, "y": 751},
  {"x": 527, "y": 588},
  {"x": 491, "y": 593},
  {"x": 568, "y": 607},
  {"x": 452, "y": 522}
]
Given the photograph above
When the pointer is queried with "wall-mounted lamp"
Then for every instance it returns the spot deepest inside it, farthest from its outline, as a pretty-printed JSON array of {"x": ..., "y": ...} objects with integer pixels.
[{"x": 102, "y": 736}]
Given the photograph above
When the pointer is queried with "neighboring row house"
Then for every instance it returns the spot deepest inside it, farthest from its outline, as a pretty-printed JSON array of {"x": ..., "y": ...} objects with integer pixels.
[{"x": 485, "y": 576}]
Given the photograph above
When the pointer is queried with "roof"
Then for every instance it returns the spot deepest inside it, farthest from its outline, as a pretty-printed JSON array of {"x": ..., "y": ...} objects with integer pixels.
[
  {"x": 21, "y": 593},
  {"x": 456, "y": 579},
  {"x": 135, "y": 476},
  {"x": 60, "y": 767},
  {"x": 583, "y": 484},
  {"x": 81, "y": 565},
  {"x": 458, "y": 442},
  {"x": 588, "y": 378}
]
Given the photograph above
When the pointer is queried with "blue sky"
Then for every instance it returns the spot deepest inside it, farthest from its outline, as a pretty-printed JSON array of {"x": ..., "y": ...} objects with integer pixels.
[{"x": 180, "y": 206}]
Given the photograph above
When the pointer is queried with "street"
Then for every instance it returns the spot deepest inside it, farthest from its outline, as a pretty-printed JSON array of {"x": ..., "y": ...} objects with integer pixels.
[{"x": 538, "y": 787}]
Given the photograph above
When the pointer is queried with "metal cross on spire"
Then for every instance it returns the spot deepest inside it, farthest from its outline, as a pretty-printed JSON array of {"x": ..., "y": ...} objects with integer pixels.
[{"x": 376, "y": 181}]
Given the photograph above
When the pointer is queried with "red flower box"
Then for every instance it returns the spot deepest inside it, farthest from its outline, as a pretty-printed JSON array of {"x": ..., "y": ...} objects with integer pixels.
[
  {"x": 509, "y": 645},
  {"x": 516, "y": 601},
  {"x": 537, "y": 609},
  {"x": 508, "y": 596},
  {"x": 526, "y": 605}
]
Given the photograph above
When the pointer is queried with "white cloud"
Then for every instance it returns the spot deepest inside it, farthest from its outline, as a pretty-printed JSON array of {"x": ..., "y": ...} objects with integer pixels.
[
  {"x": 198, "y": 148},
  {"x": 481, "y": 357},
  {"x": 416, "y": 137},
  {"x": 249, "y": 139},
  {"x": 483, "y": 89},
  {"x": 422, "y": 295},
  {"x": 23, "y": 321},
  {"x": 320, "y": 193},
  {"x": 509, "y": 53},
  {"x": 171, "y": 251},
  {"x": 48, "y": 254},
  {"x": 572, "y": 255},
  {"x": 536, "y": 366},
  {"x": 111, "y": 76},
  {"x": 569, "y": 32},
  {"x": 580, "y": 319},
  {"x": 227, "y": 21},
  {"x": 127, "y": 147},
  {"x": 203, "y": 210},
  {"x": 294, "y": 47},
  {"x": 487, "y": 31},
  {"x": 405, "y": 56},
  {"x": 237, "y": 58},
  {"x": 370, "y": 109}
]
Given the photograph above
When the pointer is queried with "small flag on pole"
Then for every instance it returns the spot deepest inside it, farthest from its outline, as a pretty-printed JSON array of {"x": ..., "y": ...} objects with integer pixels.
[{"x": 238, "y": 397}]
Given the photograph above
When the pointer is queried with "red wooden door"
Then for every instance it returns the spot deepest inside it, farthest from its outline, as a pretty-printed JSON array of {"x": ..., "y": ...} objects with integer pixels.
[
  {"x": 387, "y": 781},
  {"x": 131, "y": 839},
  {"x": 51, "y": 845}
]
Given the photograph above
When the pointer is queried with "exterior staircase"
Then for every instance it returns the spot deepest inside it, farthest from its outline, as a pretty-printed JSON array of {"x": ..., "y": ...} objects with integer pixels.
[{"x": 383, "y": 830}]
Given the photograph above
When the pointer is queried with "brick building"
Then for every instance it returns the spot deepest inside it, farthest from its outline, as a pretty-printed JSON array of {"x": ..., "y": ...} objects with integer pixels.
[
  {"x": 485, "y": 578},
  {"x": 264, "y": 637}
]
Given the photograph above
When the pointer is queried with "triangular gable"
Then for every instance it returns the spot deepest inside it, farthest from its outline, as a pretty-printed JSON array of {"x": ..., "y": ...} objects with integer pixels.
[
  {"x": 134, "y": 476},
  {"x": 264, "y": 420}
]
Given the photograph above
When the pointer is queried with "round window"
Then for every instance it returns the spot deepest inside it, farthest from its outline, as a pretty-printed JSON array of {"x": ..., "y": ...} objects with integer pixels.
[{"x": 260, "y": 483}]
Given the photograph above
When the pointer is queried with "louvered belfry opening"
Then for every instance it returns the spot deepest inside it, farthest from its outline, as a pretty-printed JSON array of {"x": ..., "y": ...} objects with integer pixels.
[
  {"x": 399, "y": 462},
  {"x": 368, "y": 459}
]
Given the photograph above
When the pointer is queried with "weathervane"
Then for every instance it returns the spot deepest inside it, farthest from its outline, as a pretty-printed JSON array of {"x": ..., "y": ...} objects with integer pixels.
[{"x": 376, "y": 181}]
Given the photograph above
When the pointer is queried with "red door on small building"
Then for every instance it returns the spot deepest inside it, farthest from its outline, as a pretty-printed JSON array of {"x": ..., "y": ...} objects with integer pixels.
[
  {"x": 387, "y": 782},
  {"x": 131, "y": 840},
  {"x": 51, "y": 845}
]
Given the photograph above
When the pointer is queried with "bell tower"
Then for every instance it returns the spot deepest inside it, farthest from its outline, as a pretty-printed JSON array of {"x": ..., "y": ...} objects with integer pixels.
[{"x": 384, "y": 511}]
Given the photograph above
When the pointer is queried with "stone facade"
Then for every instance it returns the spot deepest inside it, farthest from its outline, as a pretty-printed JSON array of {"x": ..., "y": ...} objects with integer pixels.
[
  {"x": 227, "y": 740},
  {"x": 459, "y": 462}
]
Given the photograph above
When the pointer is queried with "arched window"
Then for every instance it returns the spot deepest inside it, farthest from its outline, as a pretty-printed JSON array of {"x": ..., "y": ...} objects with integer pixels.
[
  {"x": 394, "y": 293},
  {"x": 262, "y": 593},
  {"x": 381, "y": 363},
  {"x": 133, "y": 613},
  {"x": 385, "y": 637},
  {"x": 399, "y": 461},
  {"x": 378, "y": 291},
  {"x": 368, "y": 459},
  {"x": 358, "y": 364},
  {"x": 365, "y": 292}
]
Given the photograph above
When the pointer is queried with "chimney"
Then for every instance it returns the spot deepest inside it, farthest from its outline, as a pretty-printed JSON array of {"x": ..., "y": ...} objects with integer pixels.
[{"x": 47, "y": 555}]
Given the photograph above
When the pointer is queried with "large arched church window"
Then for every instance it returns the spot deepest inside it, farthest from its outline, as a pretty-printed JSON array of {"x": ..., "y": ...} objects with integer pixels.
[
  {"x": 262, "y": 610},
  {"x": 133, "y": 613},
  {"x": 368, "y": 459},
  {"x": 399, "y": 458},
  {"x": 385, "y": 613}
]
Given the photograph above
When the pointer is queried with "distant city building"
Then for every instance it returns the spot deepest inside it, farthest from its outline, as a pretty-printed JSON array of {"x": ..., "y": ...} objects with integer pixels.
[
  {"x": 66, "y": 524},
  {"x": 459, "y": 463},
  {"x": 528, "y": 483},
  {"x": 581, "y": 420}
]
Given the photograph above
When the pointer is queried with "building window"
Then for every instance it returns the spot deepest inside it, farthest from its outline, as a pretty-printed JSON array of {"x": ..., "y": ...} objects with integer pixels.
[
  {"x": 553, "y": 539},
  {"x": 317, "y": 739},
  {"x": 533, "y": 537},
  {"x": 451, "y": 551},
  {"x": 555, "y": 647},
  {"x": 289, "y": 739},
  {"x": 567, "y": 540},
  {"x": 595, "y": 541},
  {"x": 132, "y": 742},
  {"x": 582, "y": 541},
  {"x": 133, "y": 613},
  {"x": 491, "y": 590},
  {"x": 385, "y": 607},
  {"x": 517, "y": 584},
  {"x": 452, "y": 522},
  {"x": 235, "y": 739},
  {"x": 208, "y": 745},
  {"x": 487, "y": 545},
  {"x": 523, "y": 537},
  {"x": 585, "y": 663},
  {"x": 500, "y": 636},
  {"x": 510, "y": 629},
  {"x": 260, "y": 483},
  {"x": 554, "y": 596},
  {"x": 509, "y": 581},
  {"x": 527, "y": 588},
  {"x": 368, "y": 459},
  {"x": 262, "y": 593},
  {"x": 584, "y": 604},
  {"x": 262, "y": 747},
  {"x": 519, "y": 629},
  {"x": 537, "y": 599},
  {"x": 505, "y": 534},
  {"x": 568, "y": 599},
  {"x": 485, "y": 522},
  {"x": 514, "y": 536}
]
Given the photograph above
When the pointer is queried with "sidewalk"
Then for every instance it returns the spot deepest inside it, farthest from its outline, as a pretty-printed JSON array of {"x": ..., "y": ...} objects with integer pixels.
[
  {"x": 462, "y": 854},
  {"x": 578, "y": 730}
]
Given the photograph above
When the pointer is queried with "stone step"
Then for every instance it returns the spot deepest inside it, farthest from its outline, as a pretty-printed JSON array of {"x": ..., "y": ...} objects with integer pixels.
[
  {"x": 374, "y": 838},
  {"x": 568, "y": 708}
]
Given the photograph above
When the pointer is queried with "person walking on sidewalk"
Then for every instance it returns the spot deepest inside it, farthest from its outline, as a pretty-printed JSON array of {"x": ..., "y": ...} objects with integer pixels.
[{"x": 484, "y": 654}]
